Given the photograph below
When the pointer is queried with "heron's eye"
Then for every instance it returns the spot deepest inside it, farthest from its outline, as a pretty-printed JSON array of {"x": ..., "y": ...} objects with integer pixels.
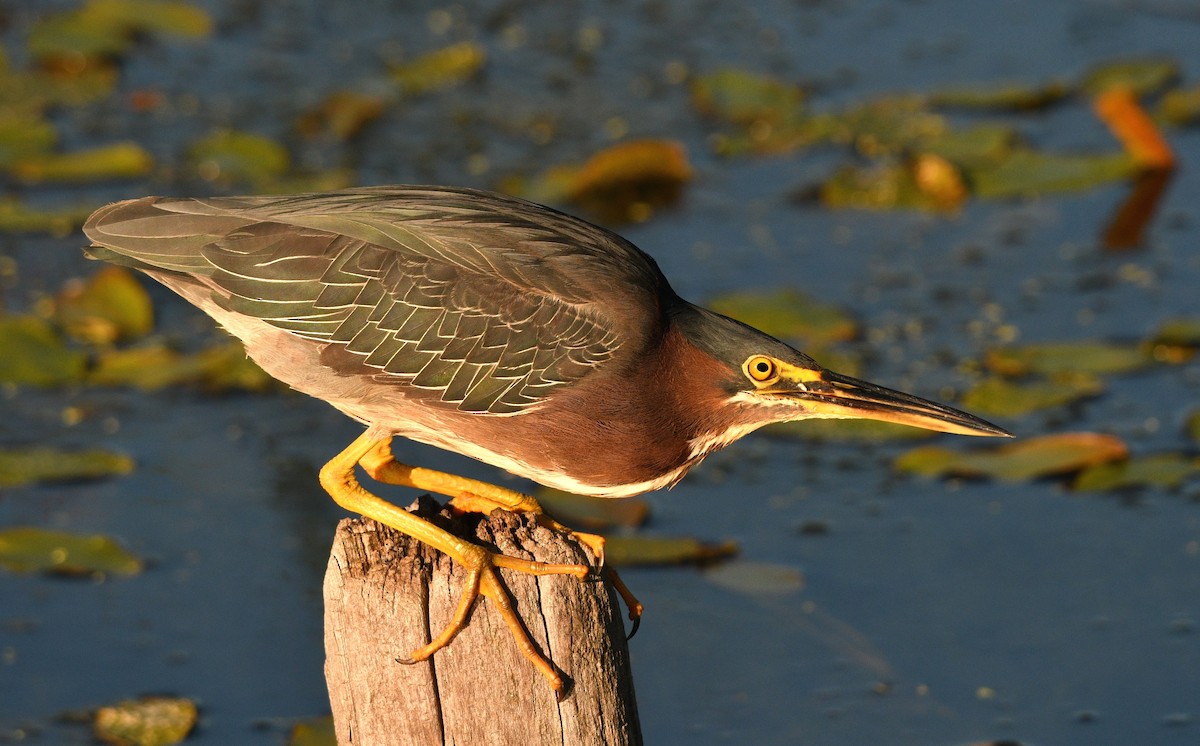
[{"x": 762, "y": 369}]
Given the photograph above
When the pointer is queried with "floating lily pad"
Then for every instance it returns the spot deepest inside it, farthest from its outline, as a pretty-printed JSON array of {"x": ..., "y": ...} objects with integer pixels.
[
  {"x": 846, "y": 431},
  {"x": 928, "y": 182},
  {"x": 593, "y": 513},
  {"x": 1003, "y": 96},
  {"x": 1099, "y": 358},
  {"x": 1193, "y": 426},
  {"x": 439, "y": 69},
  {"x": 315, "y": 732},
  {"x": 342, "y": 115},
  {"x": 756, "y": 578},
  {"x": 231, "y": 156},
  {"x": 28, "y": 465},
  {"x": 123, "y": 160},
  {"x": 887, "y": 126},
  {"x": 976, "y": 146},
  {"x": 746, "y": 98},
  {"x": 1180, "y": 107},
  {"x": 35, "y": 354},
  {"x": 789, "y": 314},
  {"x": 1168, "y": 470},
  {"x": 149, "y": 721},
  {"x": 111, "y": 306},
  {"x": 107, "y": 28},
  {"x": 1143, "y": 76},
  {"x": 27, "y": 549},
  {"x": 1003, "y": 398},
  {"x": 1029, "y": 173},
  {"x": 1181, "y": 332},
  {"x": 155, "y": 366},
  {"x": 24, "y": 135},
  {"x": 18, "y": 217},
  {"x": 627, "y": 551},
  {"x": 1049, "y": 455}
]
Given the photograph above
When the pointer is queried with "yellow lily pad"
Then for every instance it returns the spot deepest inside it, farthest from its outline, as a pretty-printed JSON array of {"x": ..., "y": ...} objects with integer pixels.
[
  {"x": 107, "y": 28},
  {"x": 18, "y": 217},
  {"x": 230, "y": 156},
  {"x": 315, "y": 732},
  {"x": 789, "y": 314},
  {"x": 1143, "y": 76},
  {"x": 342, "y": 115},
  {"x": 1004, "y": 96},
  {"x": 746, "y": 98},
  {"x": 1029, "y": 173},
  {"x": 35, "y": 354},
  {"x": 1181, "y": 332},
  {"x": 593, "y": 513},
  {"x": 439, "y": 69},
  {"x": 110, "y": 306},
  {"x": 628, "y": 551},
  {"x": 756, "y": 578},
  {"x": 27, "y": 549},
  {"x": 29, "y": 465},
  {"x": 1180, "y": 107},
  {"x": 24, "y": 135},
  {"x": 1049, "y": 455},
  {"x": 123, "y": 160},
  {"x": 1168, "y": 470},
  {"x": 928, "y": 182},
  {"x": 999, "y": 397},
  {"x": 149, "y": 721},
  {"x": 155, "y": 366},
  {"x": 1098, "y": 358},
  {"x": 846, "y": 431}
]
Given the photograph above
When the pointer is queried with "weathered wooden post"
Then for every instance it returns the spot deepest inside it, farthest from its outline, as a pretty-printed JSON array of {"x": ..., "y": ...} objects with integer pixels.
[{"x": 384, "y": 592}]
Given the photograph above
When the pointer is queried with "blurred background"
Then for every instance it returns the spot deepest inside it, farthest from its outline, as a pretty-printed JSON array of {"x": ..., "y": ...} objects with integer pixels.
[{"x": 990, "y": 204}]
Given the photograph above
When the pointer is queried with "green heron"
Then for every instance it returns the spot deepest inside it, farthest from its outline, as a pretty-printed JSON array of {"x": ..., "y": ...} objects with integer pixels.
[{"x": 489, "y": 326}]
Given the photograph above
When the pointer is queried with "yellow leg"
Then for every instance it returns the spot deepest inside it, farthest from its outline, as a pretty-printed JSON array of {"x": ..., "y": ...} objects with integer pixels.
[
  {"x": 480, "y": 497},
  {"x": 338, "y": 479}
]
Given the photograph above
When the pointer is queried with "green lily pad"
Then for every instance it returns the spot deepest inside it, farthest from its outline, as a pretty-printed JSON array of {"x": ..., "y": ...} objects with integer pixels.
[
  {"x": 1192, "y": 426},
  {"x": 756, "y": 578},
  {"x": 1000, "y": 397},
  {"x": 232, "y": 157},
  {"x": 886, "y": 185},
  {"x": 18, "y": 217},
  {"x": 315, "y": 732},
  {"x": 24, "y": 135},
  {"x": 1143, "y": 76},
  {"x": 978, "y": 146},
  {"x": 789, "y": 314},
  {"x": 593, "y": 513},
  {"x": 35, "y": 354},
  {"x": 342, "y": 115},
  {"x": 886, "y": 126},
  {"x": 29, "y": 465},
  {"x": 123, "y": 160},
  {"x": 1098, "y": 358},
  {"x": 1029, "y": 173},
  {"x": 155, "y": 366},
  {"x": 744, "y": 97},
  {"x": 1181, "y": 332},
  {"x": 1180, "y": 107},
  {"x": 27, "y": 549},
  {"x": 1049, "y": 455},
  {"x": 1168, "y": 470},
  {"x": 846, "y": 431},
  {"x": 439, "y": 69},
  {"x": 1003, "y": 96},
  {"x": 111, "y": 306},
  {"x": 149, "y": 721},
  {"x": 108, "y": 28},
  {"x": 627, "y": 551}
]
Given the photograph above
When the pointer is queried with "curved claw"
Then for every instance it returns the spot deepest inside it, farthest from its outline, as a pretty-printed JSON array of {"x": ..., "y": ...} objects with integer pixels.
[{"x": 635, "y": 606}]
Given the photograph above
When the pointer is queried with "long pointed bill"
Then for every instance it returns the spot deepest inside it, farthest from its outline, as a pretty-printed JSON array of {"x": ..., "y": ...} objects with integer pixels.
[{"x": 831, "y": 394}]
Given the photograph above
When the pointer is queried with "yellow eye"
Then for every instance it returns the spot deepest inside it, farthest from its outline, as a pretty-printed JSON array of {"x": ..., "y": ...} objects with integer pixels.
[{"x": 762, "y": 369}]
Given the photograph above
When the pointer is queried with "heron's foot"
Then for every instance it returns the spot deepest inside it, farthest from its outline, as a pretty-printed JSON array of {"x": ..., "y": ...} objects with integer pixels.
[{"x": 483, "y": 579}]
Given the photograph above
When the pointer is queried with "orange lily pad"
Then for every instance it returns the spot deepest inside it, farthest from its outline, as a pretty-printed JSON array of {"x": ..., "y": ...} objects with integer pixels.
[
  {"x": 35, "y": 354},
  {"x": 1168, "y": 470},
  {"x": 1054, "y": 358},
  {"x": 1049, "y": 455},
  {"x": 110, "y": 306},
  {"x": 999, "y": 397},
  {"x": 627, "y": 551},
  {"x": 593, "y": 513},
  {"x": 40, "y": 464},
  {"x": 28, "y": 549},
  {"x": 149, "y": 721}
]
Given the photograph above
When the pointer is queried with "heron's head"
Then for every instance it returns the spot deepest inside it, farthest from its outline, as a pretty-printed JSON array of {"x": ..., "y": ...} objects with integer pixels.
[{"x": 763, "y": 381}]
